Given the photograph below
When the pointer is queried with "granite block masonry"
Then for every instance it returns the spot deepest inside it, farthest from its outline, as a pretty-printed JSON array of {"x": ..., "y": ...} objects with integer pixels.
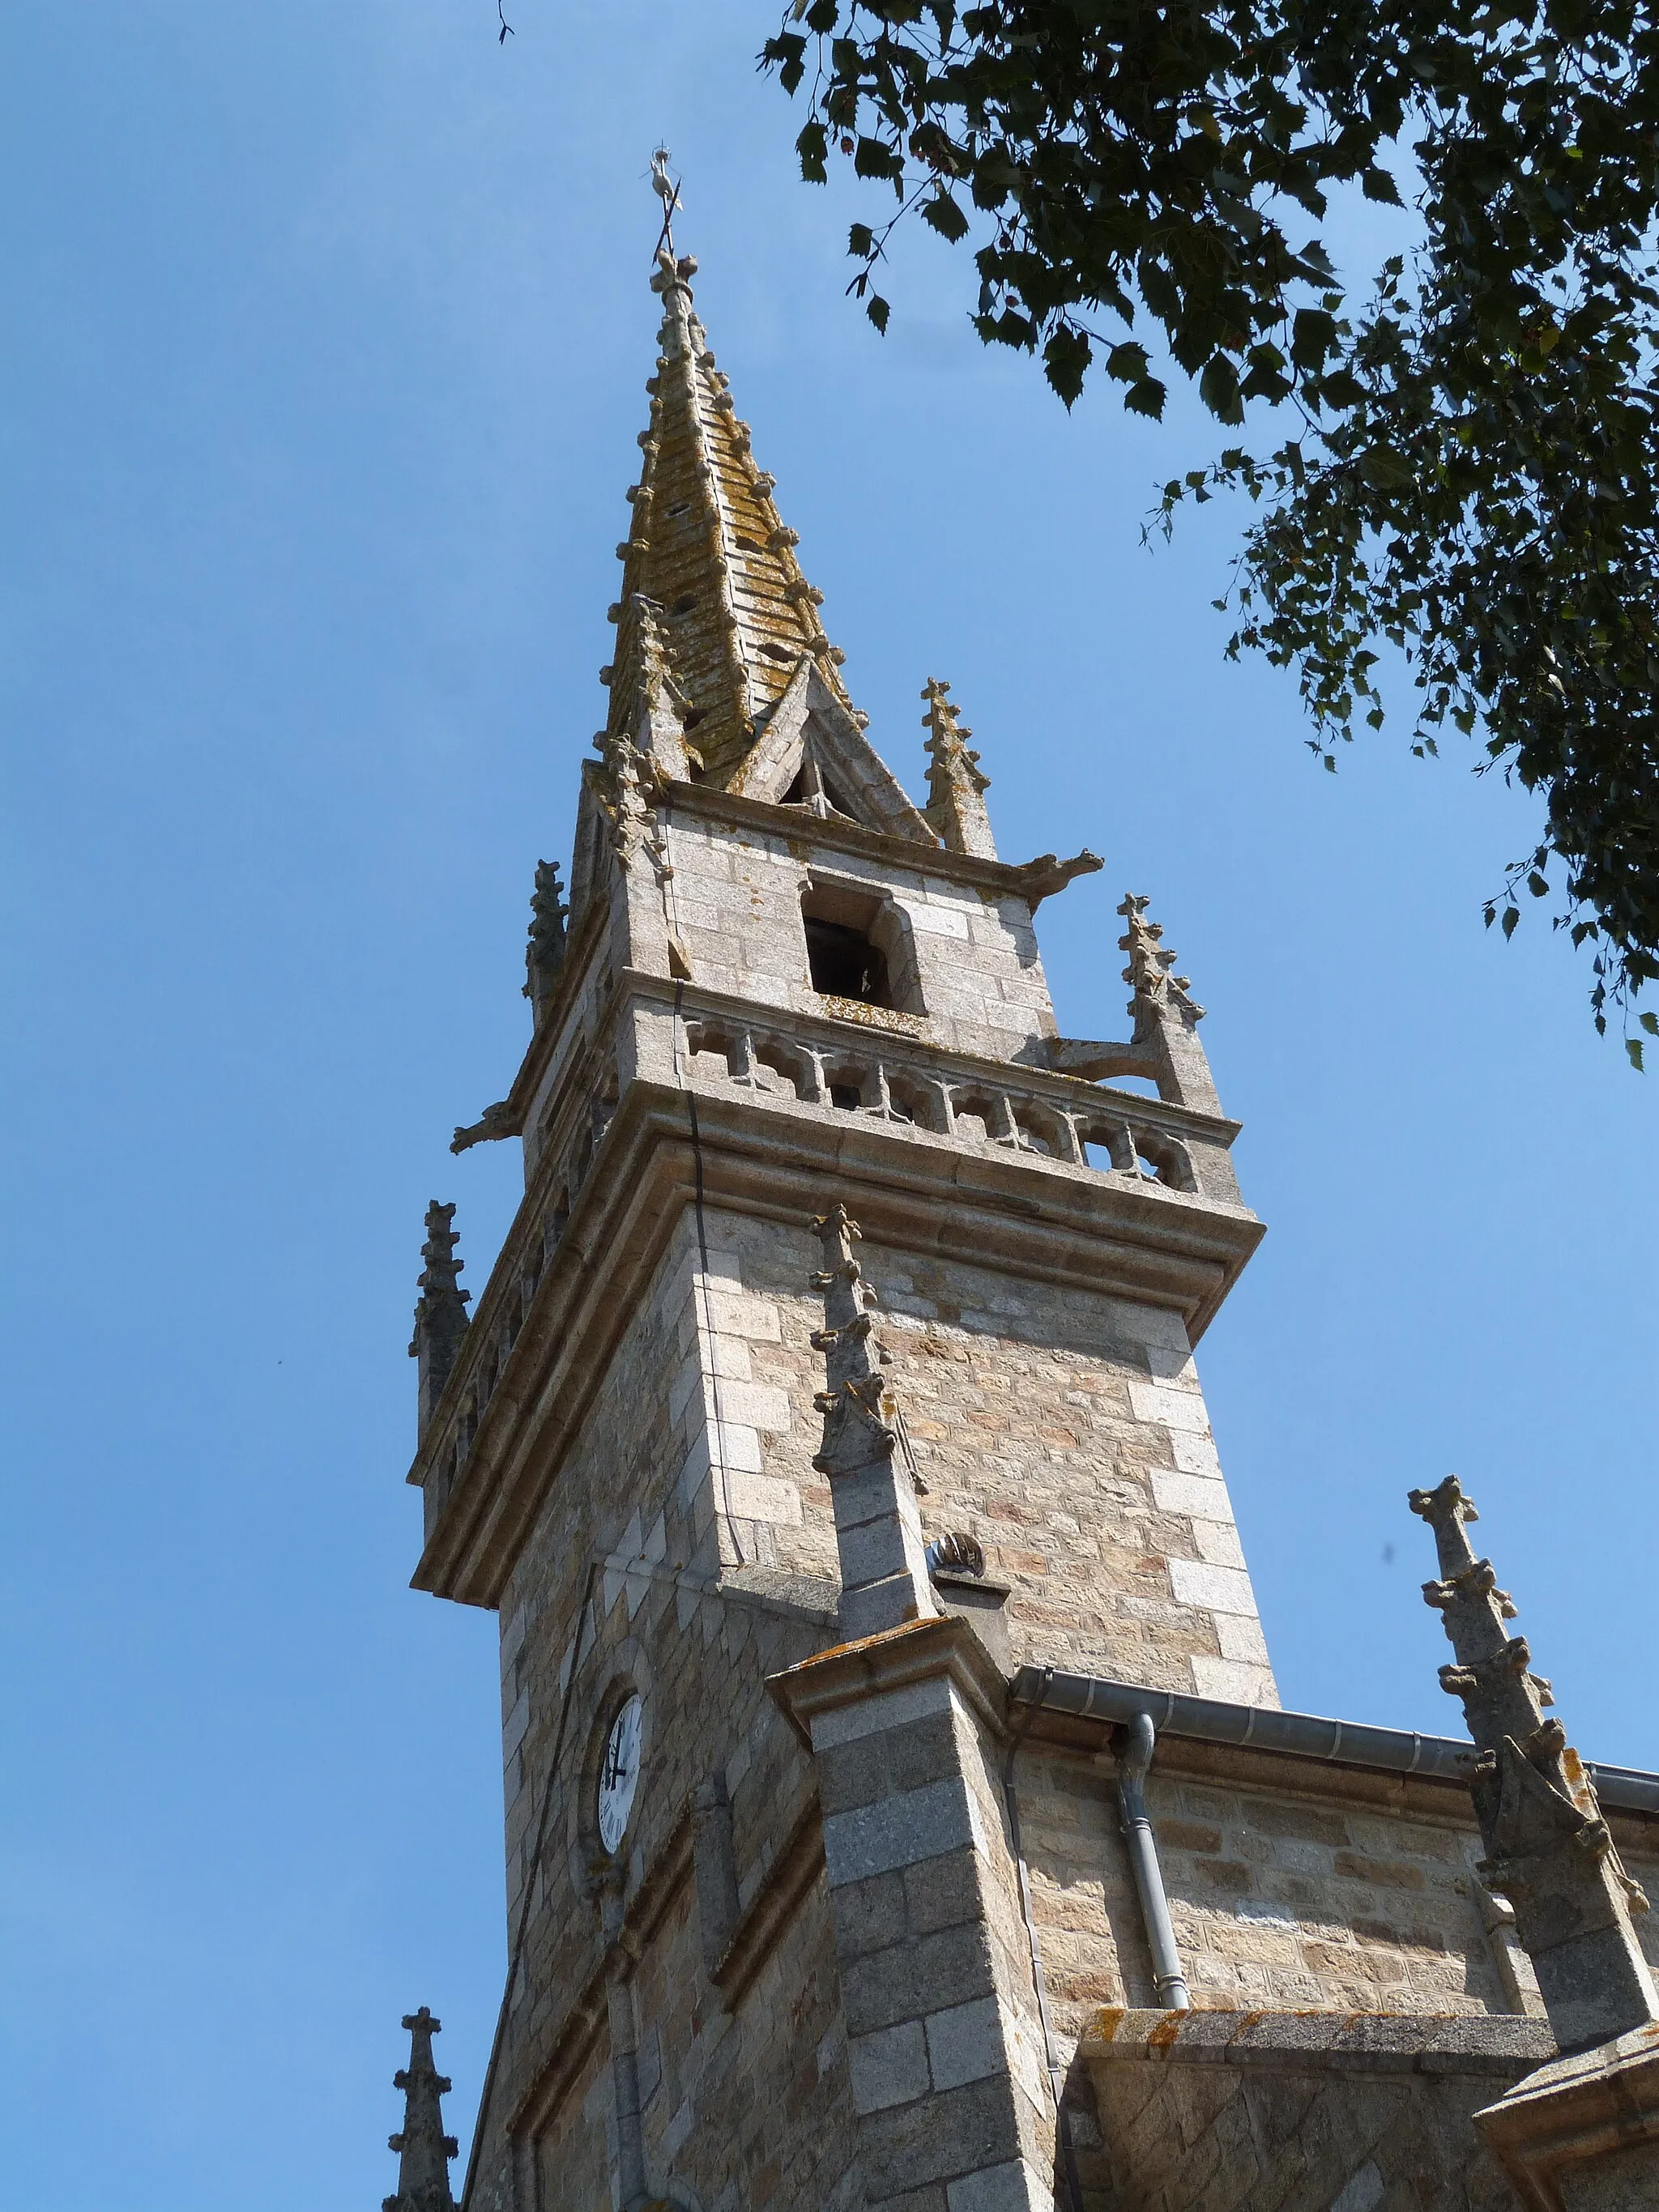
[{"x": 817, "y": 1888}]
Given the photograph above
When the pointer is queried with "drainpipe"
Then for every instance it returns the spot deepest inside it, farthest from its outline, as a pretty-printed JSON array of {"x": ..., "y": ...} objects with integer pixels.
[{"x": 1133, "y": 1758}]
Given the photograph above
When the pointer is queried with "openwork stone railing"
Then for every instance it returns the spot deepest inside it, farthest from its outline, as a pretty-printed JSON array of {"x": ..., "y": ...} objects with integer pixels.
[{"x": 872, "y": 1074}]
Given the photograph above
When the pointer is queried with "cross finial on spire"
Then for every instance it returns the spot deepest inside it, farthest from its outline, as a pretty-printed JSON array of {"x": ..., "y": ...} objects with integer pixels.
[
  {"x": 668, "y": 191},
  {"x": 423, "y": 2149}
]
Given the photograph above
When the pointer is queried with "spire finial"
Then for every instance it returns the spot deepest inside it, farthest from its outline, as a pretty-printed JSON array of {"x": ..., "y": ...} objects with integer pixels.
[
  {"x": 544, "y": 954},
  {"x": 955, "y": 782},
  {"x": 423, "y": 2149},
  {"x": 1548, "y": 1850},
  {"x": 668, "y": 191},
  {"x": 439, "y": 1312},
  {"x": 878, "y": 1525},
  {"x": 1156, "y": 990}
]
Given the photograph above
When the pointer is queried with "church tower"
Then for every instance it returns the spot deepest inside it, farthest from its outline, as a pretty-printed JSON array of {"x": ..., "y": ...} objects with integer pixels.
[{"x": 827, "y": 1439}]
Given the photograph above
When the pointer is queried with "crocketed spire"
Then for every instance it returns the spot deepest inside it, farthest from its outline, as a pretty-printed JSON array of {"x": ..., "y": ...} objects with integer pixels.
[
  {"x": 1548, "y": 1850},
  {"x": 544, "y": 954},
  {"x": 714, "y": 615},
  {"x": 956, "y": 783},
  {"x": 441, "y": 1311},
  {"x": 1158, "y": 992},
  {"x": 883, "y": 1568},
  {"x": 423, "y": 2149}
]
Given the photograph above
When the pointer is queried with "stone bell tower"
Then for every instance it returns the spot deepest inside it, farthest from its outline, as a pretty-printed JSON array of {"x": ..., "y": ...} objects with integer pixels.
[{"x": 837, "y": 1364}]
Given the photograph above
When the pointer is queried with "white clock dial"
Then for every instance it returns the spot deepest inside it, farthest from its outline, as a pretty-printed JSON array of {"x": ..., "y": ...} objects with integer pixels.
[{"x": 619, "y": 1774}]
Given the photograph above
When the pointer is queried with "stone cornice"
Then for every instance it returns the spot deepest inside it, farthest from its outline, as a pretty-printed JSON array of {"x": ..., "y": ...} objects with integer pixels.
[
  {"x": 1440, "y": 2044},
  {"x": 920, "y": 1651},
  {"x": 1046, "y": 1222},
  {"x": 1030, "y": 880}
]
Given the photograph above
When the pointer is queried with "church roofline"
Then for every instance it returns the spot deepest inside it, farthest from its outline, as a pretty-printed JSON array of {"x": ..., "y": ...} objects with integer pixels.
[{"x": 1106, "y": 1704}]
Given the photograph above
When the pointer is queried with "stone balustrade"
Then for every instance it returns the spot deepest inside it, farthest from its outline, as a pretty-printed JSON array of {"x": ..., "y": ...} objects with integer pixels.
[{"x": 1022, "y": 1109}]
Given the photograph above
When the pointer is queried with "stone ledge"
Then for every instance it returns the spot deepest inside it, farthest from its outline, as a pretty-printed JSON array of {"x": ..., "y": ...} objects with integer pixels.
[
  {"x": 1594, "y": 2109},
  {"x": 916, "y": 1651},
  {"x": 1496, "y": 2045}
]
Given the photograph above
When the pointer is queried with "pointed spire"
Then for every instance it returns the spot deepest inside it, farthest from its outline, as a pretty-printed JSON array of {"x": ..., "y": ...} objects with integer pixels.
[
  {"x": 1166, "y": 1015},
  {"x": 1548, "y": 1850},
  {"x": 544, "y": 954},
  {"x": 883, "y": 1568},
  {"x": 439, "y": 1312},
  {"x": 423, "y": 2149},
  {"x": 714, "y": 615},
  {"x": 955, "y": 784},
  {"x": 1157, "y": 991}
]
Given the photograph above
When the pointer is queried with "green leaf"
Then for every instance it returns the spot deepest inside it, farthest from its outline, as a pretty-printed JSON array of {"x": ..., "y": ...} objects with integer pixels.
[
  {"x": 1650, "y": 1022},
  {"x": 1378, "y": 185},
  {"x": 1633, "y": 1047},
  {"x": 1065, "y": 356},
  {"x": 860, "y": 240},
  {"x": 1511, "y": 916},
  {"x": 1381, "y": 465},
  {"x": 944, "y": 216},
  {"x": 1312, "y": 336},
  {"x": 1146, "y": 397},
  {"x": 877, "y": 310},
  {"x": 813, "y": 148},
  {"x": 871, "y": 158},
  {"x": 1218, "y": 387}
]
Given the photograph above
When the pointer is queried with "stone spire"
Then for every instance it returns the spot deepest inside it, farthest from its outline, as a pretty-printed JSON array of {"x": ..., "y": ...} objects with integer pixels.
[
  {"x": 956, "y": 785},
  {"x": 1166, "y": 1015},
  {"x": 714, "y": 617},
  {"x": 423, "y": 2149},
  {"x": 544, "y": 954},
  {"x": 883, "y": 1568},
  {"x": 440, "y": 1313},
  {"x": 1548, "y": 1850}
]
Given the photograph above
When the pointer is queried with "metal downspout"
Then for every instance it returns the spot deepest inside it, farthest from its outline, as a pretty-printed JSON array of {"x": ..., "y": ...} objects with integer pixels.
[{"x": 1132, "y": 1762}]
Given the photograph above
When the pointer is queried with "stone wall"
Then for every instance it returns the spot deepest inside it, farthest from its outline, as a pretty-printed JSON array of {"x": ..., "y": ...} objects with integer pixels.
[
  {"x": 1066, "y": 1433},
  {"x": 1319, "y": 1886},
  {"x": 735, "y": 904}
]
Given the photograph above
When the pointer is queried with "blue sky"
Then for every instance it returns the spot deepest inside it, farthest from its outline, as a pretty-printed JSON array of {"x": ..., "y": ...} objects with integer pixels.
[{"x": 327, "y": 329}]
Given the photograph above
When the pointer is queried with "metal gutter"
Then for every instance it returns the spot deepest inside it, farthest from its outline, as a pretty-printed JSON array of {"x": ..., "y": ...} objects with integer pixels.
[{"x": 1303, "y": 1736}]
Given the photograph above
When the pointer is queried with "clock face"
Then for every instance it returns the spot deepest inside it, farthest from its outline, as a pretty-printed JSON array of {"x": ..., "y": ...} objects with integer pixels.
[{"x": 619, "y": 1774}]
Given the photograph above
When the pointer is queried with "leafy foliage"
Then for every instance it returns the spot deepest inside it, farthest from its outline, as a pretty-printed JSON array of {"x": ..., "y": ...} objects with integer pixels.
[{"x": 1473, "y": 473}]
